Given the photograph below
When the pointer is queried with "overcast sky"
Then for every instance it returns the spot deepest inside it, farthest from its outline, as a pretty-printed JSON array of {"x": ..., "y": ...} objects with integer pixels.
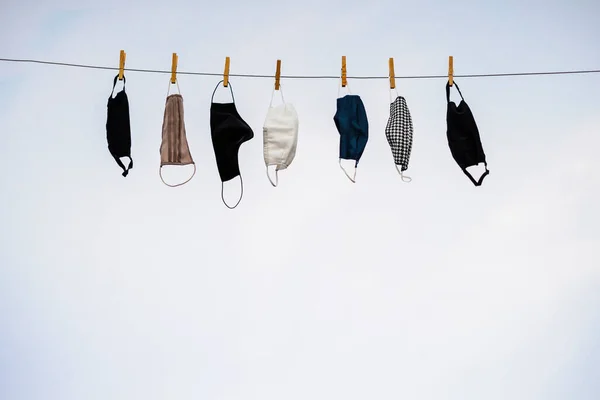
[{"x": 124, "y": 288}]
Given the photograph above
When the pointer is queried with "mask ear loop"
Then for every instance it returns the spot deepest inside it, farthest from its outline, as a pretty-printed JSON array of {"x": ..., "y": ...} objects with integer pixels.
[
  {"x": 480, "y": 181},
  {"x": 276, "y": 177},
  {"x": 115, "y": 84},
  {"x": 273, "y": 94},
  {"x": 241, "y": 194},
  {"x": 405, "y": 178},
  {"x": 353, "y": 179},
  {"x": 340, "y": 87},
  {"x": 120, "y": 164},
  {"x": 178, "y": 184},
  {"x": 169, "y": 88},
  {"x": 448, "y": 91},
  {"x": 397, "y": 95},
  {"x": 216, "y": 87}
]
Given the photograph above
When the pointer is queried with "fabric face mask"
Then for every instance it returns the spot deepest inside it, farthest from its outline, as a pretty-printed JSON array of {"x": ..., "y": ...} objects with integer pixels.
[
  {"x": 353, "y": 127},
  {"x": 118, "y": 130},
  {"x": 399, "y": 134},
  {"x": 228, "y": 131},
  {"x": 174, "y": 149},
  {"x": 463, "y": 136},
  {"x": 280, "y": 136}
]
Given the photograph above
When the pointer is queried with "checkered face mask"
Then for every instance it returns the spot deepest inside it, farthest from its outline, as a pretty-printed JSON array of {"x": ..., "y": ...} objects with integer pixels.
[
  {"x": 399, "y": 133},
  {"x": 352, "y": 125}
]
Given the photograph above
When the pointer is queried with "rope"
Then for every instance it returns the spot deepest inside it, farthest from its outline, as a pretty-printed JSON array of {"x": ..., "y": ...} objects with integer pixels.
[{"x": 157, "y": 71}]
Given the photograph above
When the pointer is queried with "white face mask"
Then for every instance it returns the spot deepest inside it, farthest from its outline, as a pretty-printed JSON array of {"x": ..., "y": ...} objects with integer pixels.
[{"x": 280, "y": 137}]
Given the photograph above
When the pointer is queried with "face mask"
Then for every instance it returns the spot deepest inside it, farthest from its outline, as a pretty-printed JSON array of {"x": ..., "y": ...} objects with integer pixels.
[
  {"x": 463, "y": 136},
  {"x": 118, "y": 131},
  {"x": 228, "y": 131},
  {"x": 353, "y": 127},
  {"x": 399, "y": 133},
  {"x": 174, "y": 149},
  {"x": 280, "y": 136}
]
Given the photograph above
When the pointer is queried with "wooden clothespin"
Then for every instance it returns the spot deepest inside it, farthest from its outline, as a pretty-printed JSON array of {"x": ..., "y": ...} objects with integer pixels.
[
  {"x": 122, "y": 64},
  {"x": 451, "y": 70},
  {"x": 344, "y": 81},
  {"x": 277, "y": 74},
  {"x": 174, "y": 68},
  {"x": 226, "y": 73},
  {"x": 392, "y": 74}
]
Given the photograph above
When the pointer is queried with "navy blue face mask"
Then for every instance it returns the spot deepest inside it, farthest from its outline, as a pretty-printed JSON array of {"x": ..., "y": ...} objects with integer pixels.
[{"x": 353, "y": 127}]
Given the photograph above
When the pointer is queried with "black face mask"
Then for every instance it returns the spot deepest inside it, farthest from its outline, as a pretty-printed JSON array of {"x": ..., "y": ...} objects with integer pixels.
[
  {"x": 118, "y": 130},
  {"x": 463, "y": 137},
  {"x": 228, "y": 131}
]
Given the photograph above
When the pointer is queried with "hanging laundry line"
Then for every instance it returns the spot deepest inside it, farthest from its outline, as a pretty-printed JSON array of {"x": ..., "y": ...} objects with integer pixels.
[
  {"x": 158, "y": 71},
  {"x": 229, "y": 130}
]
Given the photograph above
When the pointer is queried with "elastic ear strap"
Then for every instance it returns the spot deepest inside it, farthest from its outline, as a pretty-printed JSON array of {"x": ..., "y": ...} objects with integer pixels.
[
  {"x": 115, "y": 81},
  {"x": 125, "y": 171},
  {"x": 448, "y": 91},
  {"x": 241, "y": 194},
  {"x": 115, "y": 84},
  {"x": 459, "y": 92},
  {"x": 169, "y": 88},
  {"x": 397, "y": 95},
  {"x": 340, "y": 87},
  {"x": 120, "y": 164},
  {"x": 276, "y": 177},
  {"x": 281, "y": 92},
  {"x": 352, "y": 179},
  {"x": 273, "y": 93},
  {"x": 230, "y": 90},
  {"x": 178, "y": 184},
  {"x": 480, "y": 181},
  {"x": 405, "y": 178}
]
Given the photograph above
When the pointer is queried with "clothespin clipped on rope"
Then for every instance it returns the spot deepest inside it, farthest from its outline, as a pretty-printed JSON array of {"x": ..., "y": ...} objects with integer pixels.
[
  {"x": 226, "y": 73},
  {"x": 277, "y": 74},
  {"x": 392, "y": 74},
  {"x": 122, "y": 65},
  {"x": 174, "y": 68},
  {"x": 344, "y": 81},
  {"x": 450, "y": 70}
]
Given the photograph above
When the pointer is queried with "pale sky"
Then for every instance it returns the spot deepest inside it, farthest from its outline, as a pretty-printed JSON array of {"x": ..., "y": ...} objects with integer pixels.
[{"x": 124, "y": 288}]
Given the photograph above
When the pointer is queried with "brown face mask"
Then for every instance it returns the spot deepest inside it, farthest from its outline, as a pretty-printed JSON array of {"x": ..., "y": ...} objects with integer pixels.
[{"x": 174, "y": 149}]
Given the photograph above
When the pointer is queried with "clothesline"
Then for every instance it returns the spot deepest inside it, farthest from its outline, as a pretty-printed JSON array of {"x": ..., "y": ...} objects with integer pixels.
[
  {"x": 158, "y": 71},
  {"x": 281, "y": 128}
]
